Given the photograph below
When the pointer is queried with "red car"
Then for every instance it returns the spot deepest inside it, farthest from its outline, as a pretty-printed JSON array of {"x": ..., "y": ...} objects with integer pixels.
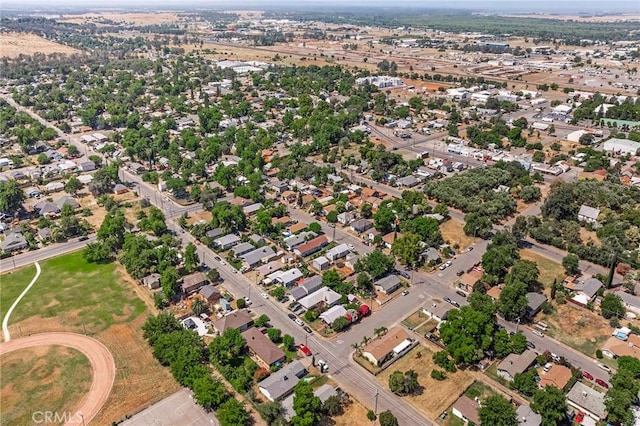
[
  {"x": 602, "y": 383},
  {"x": 305, "y": 350},
  {"x": 579, "y": 417},
  {"x": 587, "y": 375}
]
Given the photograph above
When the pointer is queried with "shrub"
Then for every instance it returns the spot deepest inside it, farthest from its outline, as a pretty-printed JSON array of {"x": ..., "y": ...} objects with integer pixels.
[
  {"x": 241, "y": 303},
  {"x": 371, "y": 415},
  {"x": 438, "y": 375},
  {"x": 598, "y": 354}
]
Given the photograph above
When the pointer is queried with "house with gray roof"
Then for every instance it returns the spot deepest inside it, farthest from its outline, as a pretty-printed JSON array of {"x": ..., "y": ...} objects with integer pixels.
[
  {"x": 361, "y": 225},
  {"x": 296, "y": 240},
  {"x": 46, "y": 208},
  {"x": 527, "y": 417},
  {"x": 210, "y": 293},
  {"x": 587, "y": 400},
  {"x": 631, "y": 302},
  {"x": 257, "y": 256},
  {"x": 337, "y": 252},
  {"x": 214, "y": 233},
  {"x": 282, "y": 382},
  {"x": 516, "y": 364},
  {"x": 437, "y": 309},
  {"x": 407, "y": 181},
  {"x": 324, "y": 295},
  {"x": 307, "y": 287},
  {"x": 12, "y": 242},
  {"x": 588, "y": 214},
  {"x": 585, "y": 290},
  {"x": 252, "y": 209},
  {"x": 67, "y": 200},
  {"x": 287, "y": 278},
  {"x": 534, "y": 303},
  {"x": 321, "y": 263},
  {"x": 152, "y": 281},
  {"x": 239, "y": 319},
  {"x": 332, "y": 314},
  {"x": 242, "y": 248},
  {"x": 226, "y": 242},
  {"x": 388, "y": 284}
]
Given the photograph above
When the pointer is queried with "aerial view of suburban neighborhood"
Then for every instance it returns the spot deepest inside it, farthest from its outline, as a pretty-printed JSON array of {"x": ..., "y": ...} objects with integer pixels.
[{"x": 336, "y": 213}]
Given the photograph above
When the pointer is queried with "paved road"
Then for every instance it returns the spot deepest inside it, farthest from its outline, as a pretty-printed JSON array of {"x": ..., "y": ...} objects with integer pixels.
[
  {"x": 102, "y": 365},
  {"x": 52, "y": 250}
]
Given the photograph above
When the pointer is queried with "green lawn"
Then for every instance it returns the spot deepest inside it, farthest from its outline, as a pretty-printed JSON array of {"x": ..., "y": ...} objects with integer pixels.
[
  {"x": 82, "y": 295},
  {"x": 415, "y": 319},
  {"x": 479, "y": 390},
  {"x": 54, "y": 378}
]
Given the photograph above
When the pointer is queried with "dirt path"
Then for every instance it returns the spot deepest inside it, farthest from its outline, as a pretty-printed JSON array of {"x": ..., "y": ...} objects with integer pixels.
[
  {"x": 101, "y": 360},
  {"x": 5, "y": 321}
]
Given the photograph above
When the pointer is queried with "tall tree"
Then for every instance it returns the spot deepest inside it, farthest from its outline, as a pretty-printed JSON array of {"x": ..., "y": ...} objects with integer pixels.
[
  {"x": 407, "y": 249},
  {"x": 551, "y": 404},
  {"x": 191, "y": 258},
  {"x": 306, "y": 405},
  {"x": 386, "y": 418},
  {"x": 233, "y": 413},
  {"x": 11, "y": 196},
  {"x": 497, "y": 411}
]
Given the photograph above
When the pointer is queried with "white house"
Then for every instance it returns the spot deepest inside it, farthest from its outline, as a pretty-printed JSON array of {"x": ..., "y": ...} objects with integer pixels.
[{"x": 337, "y": 252}]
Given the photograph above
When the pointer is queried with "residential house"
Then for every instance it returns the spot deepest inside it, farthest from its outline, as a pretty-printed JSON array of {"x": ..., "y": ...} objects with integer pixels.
[
  {"x": 287, "y": 278},
  {"x": 321, "y": 263},
  {"x": 588, "y": 214},
  {"x": 257, "y": 256},
  {"x": 193, "y": 282},
  {"x": 494, "y": 292},
  {"x": 226, "y": 242},
  {"x": 588, "y": 400},
  {"x": 332, "y": 314},
  {"x": 583, "y": 291},
  {"x": 210, "y": 294},
  {"x": 252, "y": 209},
  {"x": 44, "y": 234},
  {"x": 557, "y": 376},
  {"x": 263, "y": 348},
  {"x": 407, "y": 182},
  {"x": 631, "y": 302},
  {"x": 289, "y": 197},
  {"x": 67, "y": 200},
  {"x": 137, "y": 168},
  {"x": 469, "y": 279},
  {"x": 337, "y": 252},
  {"x": 390, "y": 238},
  {"x": 257, "y": 239},
  {"x": 351, "y": 260},
  {"x": 281, "y": 383},
  {"x": 242, "y": 248},
  {"x": 388, "y": 284},
  {"x": 240, "y": 201},
  {"x": 54, "y": 186},
  {"x": 297, "y": 227},
  {"x": 437, "y": 309},
  {"x": 13, "y": 241},
  {"x": 534, "y": 303},
  {"x": 306, "y": 287},
  {"x": 152, "y": 281},
  {"x": 47, "y": 208},
  {"x": 380, "y": 350},
  {"x": 269, "y": 268},
  {"x": 214, "y": 233},
  {"x": 466, "y": 409},
  {"x": 33, "y": 192},
  {"x": 86, "y": 166},
  {"x": 430, "y": 256},
  {"x": 279, "y": 187},
  {"x": 323, "y": 393},
  {"x": 516, "y": 364},
  {"x": 119, "y": 189},
  {"x": 324, "y": 295},
  {"x": 528, "y": 417},
  {"x": 239, "y": 319},
  {"x": 361, "y": 225},
  {"x": 345, "y": 218},
  {"x": 311, "y": 246},
  {"x": 295, "y": 240},
  {"x": 622, "y": 342}
]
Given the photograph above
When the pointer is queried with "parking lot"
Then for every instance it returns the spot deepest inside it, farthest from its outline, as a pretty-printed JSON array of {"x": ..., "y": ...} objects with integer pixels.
[{"x": 177, "y": 409}]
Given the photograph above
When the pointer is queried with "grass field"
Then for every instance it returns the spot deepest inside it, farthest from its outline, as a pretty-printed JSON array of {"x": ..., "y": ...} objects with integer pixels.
[
  {"x": 45, "y": 378},
  {"x": 549, "y": 270},
  {"x": 415, "y": 319},
  {"x": 420, "y": 360},
  {"x": 101, "y": 301},
  {"x": 452, "y": 233}
]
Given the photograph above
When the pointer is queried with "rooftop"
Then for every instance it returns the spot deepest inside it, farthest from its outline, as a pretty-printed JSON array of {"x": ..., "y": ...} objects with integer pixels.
[
  {"x": 380, "y": 347},
  {"x": 262, "y": 346},
  {"x": 587, "y": 398}
]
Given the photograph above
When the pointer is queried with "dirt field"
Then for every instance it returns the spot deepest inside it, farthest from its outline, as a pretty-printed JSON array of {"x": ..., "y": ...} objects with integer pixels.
[
  {"x": 577, "y": 327},
  {"x": 452, "y": 233},
  {"x": 354, "y": 415},
  {"x": 589, "y": 235},
  {"x": 605, "y": 18},
  {"x": 14, "y": 44},
  {"x": 52, "y": 378},
  {"x": 549, "y": 270},
  {"x": 129, "y": 18},
  {"x": 429, "y": 402}
]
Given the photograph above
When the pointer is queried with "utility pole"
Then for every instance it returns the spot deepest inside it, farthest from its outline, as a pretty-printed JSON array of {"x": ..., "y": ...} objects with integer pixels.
[{"x": 375, "y": 406}]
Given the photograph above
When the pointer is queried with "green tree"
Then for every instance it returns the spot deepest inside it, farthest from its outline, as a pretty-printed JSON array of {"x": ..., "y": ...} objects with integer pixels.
[
  {"x": 612, "y": 306},
  {"x": 199, "y": 306},
  {"x": 262, "y": 320},
  {"x": 332, "y": 216},
  {"x": 169, "y": 282},
  {"x": 306, "y": 405},
  {"x": 227, "y": 346},
  {"x": 43, "y": 159},
  {"x": 384, "y": 219},
  {"x": 97, "y": 252},
  {"x": 233, "y": 413},
  {"x": 525, "y": 383},
  {"x": 551, "y": 404},
  {"x": 512, "y": 303},
  {"x": 73, "y": 185},
  {"x": 571, "y": 264},
  {"x": 497, "y": 411},
  {"x": 467, "y": 333},
  {"x": 155, "y": 326},
  {"x": 407, "y": 249},
  {"x": 275, "y": 335},
  {"x": 191, "y": 258},
  {"x": 366, "y": 211},
  {"x": 386, "y": 418},
  {"x": 272, "y": 413},
  {"x": 314, "y": 227},
  {"x": 332, "y": 406},
  {"x": 476, "y": 225},
  {"x": 209, "y": 392},
  {"x": 524, "y": 271},
  {"x": 288, "y": 341},
  {"x": 340, "y": 324},
  {"x": 11, "y": 196},
  {"x": 278, "y": 293},
  {"x": 396, "y": 382}
]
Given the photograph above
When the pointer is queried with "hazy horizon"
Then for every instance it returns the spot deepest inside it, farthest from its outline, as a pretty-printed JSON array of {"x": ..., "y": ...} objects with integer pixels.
[{"x": 491, "y": 6}]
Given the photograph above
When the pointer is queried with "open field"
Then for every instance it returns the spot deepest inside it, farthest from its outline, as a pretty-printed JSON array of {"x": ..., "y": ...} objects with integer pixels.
[
  {"x": 419, "y": 359},
  {"x": 577, "y": 327},
  {"x": 452, "y": 233},
  {"x": 354, "y": 414},
  {"x": 549, "y": 270},
  {"x": 579, "y": 18},
  {"x": 99, "y": 300},
  {"x": 13, "y": 44},
  {"x": 44, "y": 378},
  {"x": 129, "y": 18}
]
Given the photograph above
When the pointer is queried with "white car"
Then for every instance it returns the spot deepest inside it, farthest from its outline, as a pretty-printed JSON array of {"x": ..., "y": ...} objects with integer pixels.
[
  {"x": 247, "y": 300},
  {"x": 264, "y": 295},
  {"x": 350, "y": 246},
  {"x": 538, "y": 333},
  {"x": 299, "y": 322},
  {"x": 222, "y": 262},
  {"x": 604, "y": 367}
]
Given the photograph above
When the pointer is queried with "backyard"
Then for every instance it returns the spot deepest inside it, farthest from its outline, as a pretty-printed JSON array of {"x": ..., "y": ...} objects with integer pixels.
[
  {"x": 420, "y": 360},
  {"x": 452, "y": 233},
  {"x": 100, "y": 301},
  {"x": 549, "y": 270}
]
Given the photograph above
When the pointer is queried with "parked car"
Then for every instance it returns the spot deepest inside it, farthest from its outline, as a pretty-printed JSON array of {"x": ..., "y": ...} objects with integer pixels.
[
  {"x": 604, "y": 367},
  {"x": 587, "y": 375},
  {"x": 448, "y": 300},
  {"x": 291, "y": 316},
  {"x": 222, "y": 262},
  {"x": 304, "y": 349},
  {"x": 406, "y": 292},
  {"x": 350, "y": 246},
  {"x": 299, "y": 322},
  {"x": 264, "y": 295},
  {"x": 246, "y": 299},
  {"x": 307, "y": 329},
  {"x": 530, "y": 345},
  {"x": 404, "y": 274},
  {"x": 454, "y": 303},
  {"x": 294, "y": 306},
  {"x": 217, "y": 258},
  {"x": 460, "y": 273},
  {"x": 461, "y": 293},
  {"x": 470, "y": 248},
  {"x": 602, "y": 383},
  {"x": 538, "y": 333}
]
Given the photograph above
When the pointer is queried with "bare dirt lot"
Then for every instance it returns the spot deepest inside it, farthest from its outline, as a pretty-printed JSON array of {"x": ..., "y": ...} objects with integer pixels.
[
  {"x": 129, "y": 18},
  {"x": 452, "y": 233},
  {"x": 419, "y": 359},
  {"x": 578, "y": 18},
  {"x": 14, "y": 44}
]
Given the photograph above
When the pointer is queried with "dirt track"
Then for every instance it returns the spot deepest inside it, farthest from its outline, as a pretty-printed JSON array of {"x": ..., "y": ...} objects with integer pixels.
[{"x": 101, "y": 360}]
